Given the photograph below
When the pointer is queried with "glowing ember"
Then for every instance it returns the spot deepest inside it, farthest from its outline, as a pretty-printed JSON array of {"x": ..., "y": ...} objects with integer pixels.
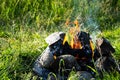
[
  {"x": 55, "y": 57},
  {"x": 75, "y": 43}
]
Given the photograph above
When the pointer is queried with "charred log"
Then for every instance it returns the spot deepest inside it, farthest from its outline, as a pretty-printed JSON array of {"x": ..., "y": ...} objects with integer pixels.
[
  {"x": 106, "y": 64},
  {"x": 104, "y": 47},
  {"x": 84, "y": 37}
]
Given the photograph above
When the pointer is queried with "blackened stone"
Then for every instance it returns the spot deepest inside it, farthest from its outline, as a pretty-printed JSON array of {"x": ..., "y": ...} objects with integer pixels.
[
  {"x": 69, "y": 63},
  {"x": 46, "y": 58},
  {"x": 84, "y": 75},
  {"x": 39, "y": 70}
]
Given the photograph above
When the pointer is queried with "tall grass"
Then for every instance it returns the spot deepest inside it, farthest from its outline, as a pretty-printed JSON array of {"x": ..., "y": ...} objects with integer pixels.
[{"x": 40, "y": 12}]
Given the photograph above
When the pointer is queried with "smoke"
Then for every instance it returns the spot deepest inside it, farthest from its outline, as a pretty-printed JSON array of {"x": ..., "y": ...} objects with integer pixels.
[
  {"x": 91, "y": 26},
  {"x": 91, "y": 21},
  {"x": 87, "y": 16}
]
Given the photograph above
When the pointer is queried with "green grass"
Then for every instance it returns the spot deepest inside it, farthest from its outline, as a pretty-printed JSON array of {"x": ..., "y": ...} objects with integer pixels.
[
  {"x": 24, "y": 24},
  {"x": 18, "y": 53}
]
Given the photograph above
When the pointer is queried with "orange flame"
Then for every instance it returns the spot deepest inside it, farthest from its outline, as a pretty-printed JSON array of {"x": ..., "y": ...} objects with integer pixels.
[
  {"x": 55, "y": 57},
  {"x": 67, "y": 22},
  {"x": 92, "y": 47},
  {"x": 74, "y": 42},
  {"x": 65, "y": 39},
  {"x": 76, "y": 23}
]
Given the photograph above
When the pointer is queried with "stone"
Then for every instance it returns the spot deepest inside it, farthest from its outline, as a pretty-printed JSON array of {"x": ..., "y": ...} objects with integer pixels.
[
  {"x": 69, "y": 63},
  {"x": 54, "y": 37},
  {"x": 46, "y": 58},
  {"x": 84, "y": 75},
  {"x": 81, "y": 75}
]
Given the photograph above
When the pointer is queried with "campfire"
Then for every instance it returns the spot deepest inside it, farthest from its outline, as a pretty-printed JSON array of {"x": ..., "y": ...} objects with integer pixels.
[
  {"x": 76, "y": 49},
  {"x": 73, "y": 38}
]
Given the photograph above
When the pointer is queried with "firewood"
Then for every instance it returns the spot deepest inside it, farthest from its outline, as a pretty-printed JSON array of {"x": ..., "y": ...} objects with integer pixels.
[{"x": 104, "y": 47}]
